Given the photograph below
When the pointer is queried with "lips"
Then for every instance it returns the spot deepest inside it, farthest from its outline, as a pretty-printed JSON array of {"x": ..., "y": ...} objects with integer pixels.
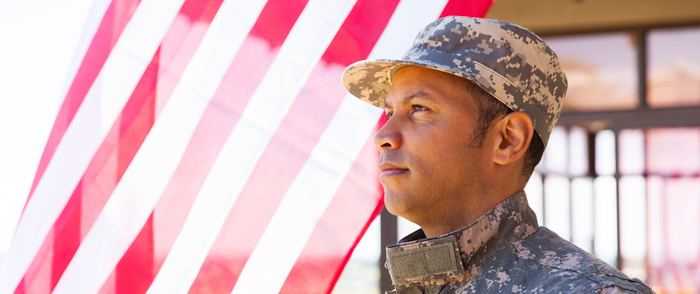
[{"x": 388, "y": 169}]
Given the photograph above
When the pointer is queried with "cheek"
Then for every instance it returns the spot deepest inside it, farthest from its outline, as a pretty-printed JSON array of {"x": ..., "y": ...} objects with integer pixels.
[
  {"x": 442, "y": 149},
  {"x": 438, "y": 162},
  {"x": 458, "y": 159}
]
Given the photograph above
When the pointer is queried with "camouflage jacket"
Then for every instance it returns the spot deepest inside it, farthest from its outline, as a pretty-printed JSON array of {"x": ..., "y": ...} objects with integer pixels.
[{"x": 504, "y": 251}]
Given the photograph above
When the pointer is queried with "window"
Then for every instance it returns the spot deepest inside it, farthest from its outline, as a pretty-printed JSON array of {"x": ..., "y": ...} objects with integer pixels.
[
  {"x": 601, "y": 70},
  {"x": 674, "y": 67}
]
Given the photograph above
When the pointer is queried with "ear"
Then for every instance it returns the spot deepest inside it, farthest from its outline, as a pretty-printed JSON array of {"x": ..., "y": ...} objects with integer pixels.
[{"x": 515, "y": 133}]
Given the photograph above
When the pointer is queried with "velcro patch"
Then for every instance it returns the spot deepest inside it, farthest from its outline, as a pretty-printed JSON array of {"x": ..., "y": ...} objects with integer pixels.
[{"x": 436, "y": 259}]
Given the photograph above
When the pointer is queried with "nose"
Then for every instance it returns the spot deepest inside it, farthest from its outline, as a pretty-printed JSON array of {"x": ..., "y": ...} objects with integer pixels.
[{"x": 388, "y": 136}]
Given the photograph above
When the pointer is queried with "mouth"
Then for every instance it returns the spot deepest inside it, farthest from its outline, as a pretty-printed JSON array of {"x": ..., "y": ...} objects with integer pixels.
[{"x": 388, "y": 169}]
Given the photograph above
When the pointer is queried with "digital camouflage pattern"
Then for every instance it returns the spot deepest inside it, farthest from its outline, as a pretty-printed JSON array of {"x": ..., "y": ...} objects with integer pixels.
[
  {"x": 508, "y": 61},
  {"x": 505, "y": 251}
]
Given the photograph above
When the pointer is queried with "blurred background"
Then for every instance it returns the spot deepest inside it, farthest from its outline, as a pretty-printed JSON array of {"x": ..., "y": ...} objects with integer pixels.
[{"x": 621, "y": 175}]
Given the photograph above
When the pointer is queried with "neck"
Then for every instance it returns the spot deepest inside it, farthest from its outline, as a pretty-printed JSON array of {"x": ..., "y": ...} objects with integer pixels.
[
  {"x": 450, "y": 224},
  {"x": 464, "y": 209},
  {"x": 457, "y": 216}
]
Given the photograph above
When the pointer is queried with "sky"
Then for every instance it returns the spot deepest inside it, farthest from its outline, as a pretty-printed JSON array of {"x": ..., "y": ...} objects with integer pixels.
[{"x": 38, "y": 40}]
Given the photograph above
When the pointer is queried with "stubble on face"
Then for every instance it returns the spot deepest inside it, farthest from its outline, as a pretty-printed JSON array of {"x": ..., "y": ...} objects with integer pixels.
[{"x": 430, "y": 168}]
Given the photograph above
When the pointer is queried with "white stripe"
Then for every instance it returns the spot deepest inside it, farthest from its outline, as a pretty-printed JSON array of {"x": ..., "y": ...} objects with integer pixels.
[
  {"x": 94, "y": 18},
  {"x": 88, "y": 129},
  {"x": 307, "y": 41},
  {"x": 329, "y": 162},
  {"x": 151, "y": 169}
]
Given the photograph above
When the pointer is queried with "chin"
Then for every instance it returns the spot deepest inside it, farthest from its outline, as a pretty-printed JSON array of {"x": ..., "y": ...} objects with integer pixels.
[{"x": 396, "y": 203}]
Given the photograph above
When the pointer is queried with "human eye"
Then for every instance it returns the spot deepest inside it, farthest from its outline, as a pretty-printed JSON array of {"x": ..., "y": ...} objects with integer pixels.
[
  {"x": 388, "y": 113},
  {"x": 417, "y": 108}
]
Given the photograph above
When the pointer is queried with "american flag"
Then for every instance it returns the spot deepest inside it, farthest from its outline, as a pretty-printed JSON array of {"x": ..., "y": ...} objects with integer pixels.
[{"x": 208, "y": 146}]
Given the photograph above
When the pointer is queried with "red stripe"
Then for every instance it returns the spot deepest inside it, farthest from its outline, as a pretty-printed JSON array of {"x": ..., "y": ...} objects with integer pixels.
[
  {"x": 112, "y": 25},
  {"x": 333, "y": 240},
  {"x": 135, "y": 271},
  {"x": 291, "y": 145},
  {"x": 473, "y": 8}
]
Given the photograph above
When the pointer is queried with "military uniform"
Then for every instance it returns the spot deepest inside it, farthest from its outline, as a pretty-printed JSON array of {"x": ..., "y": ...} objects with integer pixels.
[{"x": 504, "y": 251}]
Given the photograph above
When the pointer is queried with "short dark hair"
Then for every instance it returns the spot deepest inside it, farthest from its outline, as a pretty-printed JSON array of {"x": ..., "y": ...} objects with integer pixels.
[{"x": 489, "y": 109}]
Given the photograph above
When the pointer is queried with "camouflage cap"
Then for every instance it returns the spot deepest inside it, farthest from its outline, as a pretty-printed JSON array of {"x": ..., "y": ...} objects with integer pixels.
[{"x": 510, "y": 62}]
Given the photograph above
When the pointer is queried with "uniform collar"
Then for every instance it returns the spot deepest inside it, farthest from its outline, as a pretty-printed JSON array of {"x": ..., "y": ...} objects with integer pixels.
[{"x": 431, "y": 261}]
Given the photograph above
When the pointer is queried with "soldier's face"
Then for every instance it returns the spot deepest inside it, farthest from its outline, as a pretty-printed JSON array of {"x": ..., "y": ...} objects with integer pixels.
[{"x": 427, "y": 163}]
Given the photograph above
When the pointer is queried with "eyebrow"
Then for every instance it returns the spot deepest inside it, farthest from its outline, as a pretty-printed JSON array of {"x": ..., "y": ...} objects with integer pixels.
[{"x": 414, "y": 95}]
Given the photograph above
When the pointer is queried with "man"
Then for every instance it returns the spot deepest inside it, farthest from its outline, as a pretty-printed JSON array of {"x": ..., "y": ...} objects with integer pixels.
[{"x": 470, "y": 109}]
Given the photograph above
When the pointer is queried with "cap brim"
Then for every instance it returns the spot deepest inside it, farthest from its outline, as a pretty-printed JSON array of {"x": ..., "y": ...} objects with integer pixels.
[{"x": 370, "y": 80}]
